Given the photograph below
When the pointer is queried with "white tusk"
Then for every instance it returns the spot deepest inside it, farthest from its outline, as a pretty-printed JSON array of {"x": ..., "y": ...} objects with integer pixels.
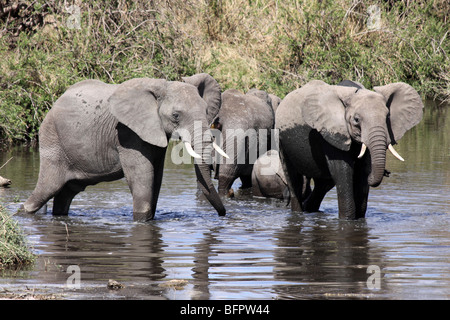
[
  {"x": 219, "y": 150},
  {"x": 363, "y": 150},
  {"x": 191, "y": 151},
  {"x": 392, "y": 150}
]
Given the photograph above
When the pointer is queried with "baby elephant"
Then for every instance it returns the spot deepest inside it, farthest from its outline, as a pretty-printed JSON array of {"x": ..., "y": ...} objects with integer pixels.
[
  {"x": 102, "y": 132},
  {"x": 269, "y": 180}
]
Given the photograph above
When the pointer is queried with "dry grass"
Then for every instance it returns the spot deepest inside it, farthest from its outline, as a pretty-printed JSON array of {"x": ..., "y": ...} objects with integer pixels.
[{"x": 13, "y": 248}]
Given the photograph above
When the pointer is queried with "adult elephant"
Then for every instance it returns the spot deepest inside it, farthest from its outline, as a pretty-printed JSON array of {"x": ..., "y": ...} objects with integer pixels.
[
  {"x": 102, "y": 132},
  {"x": 245, "y": 121},
  {"x": 338, "y": 135}
]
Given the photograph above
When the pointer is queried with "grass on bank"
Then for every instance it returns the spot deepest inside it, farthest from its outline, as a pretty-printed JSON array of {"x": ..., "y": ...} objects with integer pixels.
[
  {"x": 277, "y": 46},
  {"x": 14, "y": 251}
]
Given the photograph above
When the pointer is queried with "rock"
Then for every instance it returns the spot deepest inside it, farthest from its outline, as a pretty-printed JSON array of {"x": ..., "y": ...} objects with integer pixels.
[
  {"x": 4, "y": 182},
  {"x": 177, "y": 284},
  {"x": 114, "y": 285}
]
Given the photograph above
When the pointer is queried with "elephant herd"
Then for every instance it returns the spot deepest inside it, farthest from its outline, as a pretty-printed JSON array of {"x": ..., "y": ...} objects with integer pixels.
[{"x": 334, "y": 135}]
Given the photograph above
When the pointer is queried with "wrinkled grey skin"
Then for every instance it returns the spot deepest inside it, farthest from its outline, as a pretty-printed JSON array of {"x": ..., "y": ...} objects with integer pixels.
[
  {"x": 322, "y": 129},
  {"x": 269, "y": 180},
  {"x": 102, "y": 132},
  {"x": 275, "y": 102},
  {"x": 252, "y": 110}
]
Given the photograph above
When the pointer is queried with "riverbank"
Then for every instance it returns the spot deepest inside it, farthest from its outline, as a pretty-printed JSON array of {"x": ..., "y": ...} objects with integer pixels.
[{"x": 277, "y": 46}]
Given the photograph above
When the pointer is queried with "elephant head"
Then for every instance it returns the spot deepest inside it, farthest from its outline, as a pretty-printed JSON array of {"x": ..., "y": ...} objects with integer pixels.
[
  {"x": 155, "y": 109},
  {"x": 373, "y": 119}
]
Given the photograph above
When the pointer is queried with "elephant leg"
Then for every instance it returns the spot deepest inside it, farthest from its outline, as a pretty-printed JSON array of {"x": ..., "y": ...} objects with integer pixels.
[
  {"x": 321, "y": 187},
  {"x": 246, "y": 182},
  {"x": 361, "y": 188},
  {"x": 50, "y": 182},
  {"x": 342, "y": 173},
  {"x": 62, "y": 200},
  {"x": 227, "y": 176},
  {"x": 294, "y": 181},
  {"x": 143, "y": 172}
]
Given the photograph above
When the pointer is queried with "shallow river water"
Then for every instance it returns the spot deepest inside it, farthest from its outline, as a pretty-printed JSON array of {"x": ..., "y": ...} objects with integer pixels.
[{"x": 259, "y": 250}]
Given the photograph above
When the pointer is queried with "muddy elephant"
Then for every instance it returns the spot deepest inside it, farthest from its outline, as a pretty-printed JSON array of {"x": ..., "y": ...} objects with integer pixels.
[
  {"x": 102, "y": 132},
  {"x": 245, "y": 122},
  {"x": 338, "y": 135}
]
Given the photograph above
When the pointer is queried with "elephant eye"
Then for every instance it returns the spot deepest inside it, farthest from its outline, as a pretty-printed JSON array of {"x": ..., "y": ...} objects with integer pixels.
[
  {"x": 356, "y": 119},
  {"x": 175, "y": 116}
]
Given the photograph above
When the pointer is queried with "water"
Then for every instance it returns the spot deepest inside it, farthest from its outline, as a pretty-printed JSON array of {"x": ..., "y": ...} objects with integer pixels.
[{"x": 260, "y": 250}]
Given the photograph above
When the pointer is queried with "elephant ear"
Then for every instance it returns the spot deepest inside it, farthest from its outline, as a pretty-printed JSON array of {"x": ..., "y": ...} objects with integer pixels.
[
  {"x": 405, "y": 106},
  {"x": 275, "y": 101},
  {"x": 135, "y": 104},
  {"x": 263, "y": 95},
  {"x": 209, "y": 90},
  {"x": 324, "y": 110}
]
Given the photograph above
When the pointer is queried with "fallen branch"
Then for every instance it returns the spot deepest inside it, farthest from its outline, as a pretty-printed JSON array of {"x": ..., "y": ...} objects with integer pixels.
[{"x": 6, "y": 163}]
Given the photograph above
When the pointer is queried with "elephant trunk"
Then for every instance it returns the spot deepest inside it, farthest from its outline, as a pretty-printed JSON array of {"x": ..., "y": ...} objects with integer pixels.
[
  {"x": 202, "y": 142},
  {"x": 377, "y": 145}
]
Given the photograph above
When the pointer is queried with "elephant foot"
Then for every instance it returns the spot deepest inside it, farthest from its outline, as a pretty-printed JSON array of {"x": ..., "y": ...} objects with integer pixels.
[
  {"x": 143, "y": 216},
  {"x": 295, "y": 205}
]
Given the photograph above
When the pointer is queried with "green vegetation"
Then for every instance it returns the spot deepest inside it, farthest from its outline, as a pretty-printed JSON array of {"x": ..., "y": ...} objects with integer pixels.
[
  {"x": 13, "y": 247},
  {"x": 275, "y": 45}
]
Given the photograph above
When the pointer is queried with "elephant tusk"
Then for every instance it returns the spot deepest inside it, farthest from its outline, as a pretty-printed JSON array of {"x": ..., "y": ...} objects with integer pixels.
[
  {"x": 392, "y": 150},
  {"x": 191, "y": 151},
  {"x": 219, "y": 150},
  {"x": 363, "y": 150}
]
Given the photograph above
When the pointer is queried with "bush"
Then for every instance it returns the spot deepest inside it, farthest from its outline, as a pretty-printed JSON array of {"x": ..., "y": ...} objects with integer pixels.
[
  {"x": 13, "y": 248},
  {"x": 274, "y": 45}
]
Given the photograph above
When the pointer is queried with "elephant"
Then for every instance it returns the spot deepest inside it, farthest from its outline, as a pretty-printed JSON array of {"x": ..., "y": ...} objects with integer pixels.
[
  {"x": 269, "y": 180},
  {"x": 338, "y": 135},
  {"x": 245, "y": 122},
  {"x": 99, "y": 132}
]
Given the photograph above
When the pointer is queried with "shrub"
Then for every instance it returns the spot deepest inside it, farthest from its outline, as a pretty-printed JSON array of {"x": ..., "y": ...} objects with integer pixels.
[
  {"x": 274, "y": 45},
  {"x": 13, "y": 247}
]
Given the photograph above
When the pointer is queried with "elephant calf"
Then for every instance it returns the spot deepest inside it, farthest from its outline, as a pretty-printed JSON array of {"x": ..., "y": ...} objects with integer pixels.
[
  {"x": 338, "y": 135},
  {"x": 102, "y": 132},
  {"x": 245, "y": 121},
  {"x": 269, "y": 180}
]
